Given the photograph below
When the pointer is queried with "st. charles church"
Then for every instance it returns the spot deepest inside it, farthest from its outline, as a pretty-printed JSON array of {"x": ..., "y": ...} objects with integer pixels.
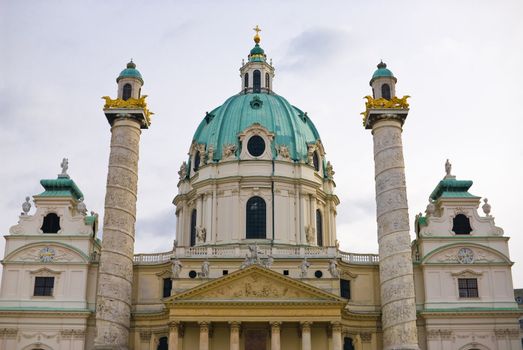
[{"x": 256, "y": 264}]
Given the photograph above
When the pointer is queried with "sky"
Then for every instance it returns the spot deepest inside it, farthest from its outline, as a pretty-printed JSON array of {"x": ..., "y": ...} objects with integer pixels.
[{"x": 461, "y": 61}]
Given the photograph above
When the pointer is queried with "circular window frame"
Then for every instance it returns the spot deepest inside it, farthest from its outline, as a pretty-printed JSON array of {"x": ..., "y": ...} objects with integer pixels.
[
  {"x": 260, "y": 131},
  {"x": 260, "y": 143}
]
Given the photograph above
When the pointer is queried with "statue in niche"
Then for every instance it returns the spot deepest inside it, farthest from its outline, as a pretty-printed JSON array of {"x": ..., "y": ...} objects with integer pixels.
[
  {"x": 210, "y": 154},
  {"x": 176, "y": 268},
  {"x": 310, "y": 231},
  {"x": 65, "y": 166},
  {"x": 486, "y": 207},
  {"x": 26, "y": 206},
  {"x": 205, "y": 269},
  {"x": 182, "y": 173},
  {"x": 82, "y": 209},
  {"x": 201, "y": 234},
  {"x": 268, "y": 263},
  {"x": 228, "y": 151},
  {"x": 448, "y": 168},
  {"x": 310, "y": 154},
  {"x": 330, "y": 171},
  {"x": 283, "y": 152},
  {"x": 246, "y": 262},
  {"x": 333, "y": 268},
  {"x": 201, "y": 150},
  {"x": 304, "y": 267},
  {"x": 431, "y": 208}
]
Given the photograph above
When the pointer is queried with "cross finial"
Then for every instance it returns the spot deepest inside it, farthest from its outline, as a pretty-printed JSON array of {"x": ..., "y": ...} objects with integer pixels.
[{"x": 257, "y": 36}]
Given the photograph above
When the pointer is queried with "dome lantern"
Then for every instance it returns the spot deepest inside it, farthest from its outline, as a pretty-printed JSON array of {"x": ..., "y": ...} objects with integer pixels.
[
  {"x": 130, "y": 82},
  {"x": 257, "y": 74},
  {"x": 383, "y": 82}
]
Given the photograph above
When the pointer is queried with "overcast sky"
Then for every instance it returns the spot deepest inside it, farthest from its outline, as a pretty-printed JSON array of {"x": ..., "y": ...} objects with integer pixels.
[{"x": 461, "y": 61}]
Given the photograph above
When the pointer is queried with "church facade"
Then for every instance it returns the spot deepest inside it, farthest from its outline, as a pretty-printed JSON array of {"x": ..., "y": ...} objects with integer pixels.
[{"x": 256, "y": 264}]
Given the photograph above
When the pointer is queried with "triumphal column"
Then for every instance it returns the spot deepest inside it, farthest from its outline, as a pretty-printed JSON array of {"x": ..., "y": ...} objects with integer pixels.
[
  {"x": 127, "y": 115},
  {"x": 385, "y": 115}
]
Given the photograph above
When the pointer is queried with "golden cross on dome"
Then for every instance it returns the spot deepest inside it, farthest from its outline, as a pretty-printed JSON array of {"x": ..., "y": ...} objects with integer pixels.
[{"x": 257, "y": 36}]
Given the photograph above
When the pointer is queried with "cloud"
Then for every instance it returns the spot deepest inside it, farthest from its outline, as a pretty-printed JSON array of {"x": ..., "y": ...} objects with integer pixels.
[{"x": 313, "y": 47}]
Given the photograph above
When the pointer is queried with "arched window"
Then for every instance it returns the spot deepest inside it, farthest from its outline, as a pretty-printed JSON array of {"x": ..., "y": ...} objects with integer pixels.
[
  {"x": 319, "y": 228},
  {"x": 196, "y": 161},
  {"x": 256, "y": 216},
  {"x": 267, "y": 81},
  {"x": 246, "y": 80},
  {"x": 347, "y": 344},
  {"x": 163, "y": 344},
  {"x": 51, "y": 223},
  {"x": 461, "y": 225},
  {"x": 385, "y": 91},
  {"x": 127, "y": 92},
  {"x": 316, "y": 161},
  {"x": 256, "y": 81},
  {"x": 193, "y": 227}
]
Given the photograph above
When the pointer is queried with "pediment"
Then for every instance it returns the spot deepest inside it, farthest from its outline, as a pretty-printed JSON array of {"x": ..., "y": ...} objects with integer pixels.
[
  {"x": 256, "y": 283},
  {"x": 47, "y": 253},
  {"x": 452, "y": 255}
]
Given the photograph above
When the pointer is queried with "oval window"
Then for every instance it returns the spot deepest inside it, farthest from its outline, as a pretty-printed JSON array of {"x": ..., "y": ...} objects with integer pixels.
[{"x": 256, "y": 146}]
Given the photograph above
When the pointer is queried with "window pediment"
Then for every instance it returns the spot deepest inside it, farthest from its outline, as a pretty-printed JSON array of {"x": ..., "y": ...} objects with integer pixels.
[{"x": 256, "y": 143}]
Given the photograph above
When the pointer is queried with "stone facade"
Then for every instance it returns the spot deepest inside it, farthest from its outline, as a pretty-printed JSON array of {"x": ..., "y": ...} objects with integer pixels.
[{"x": 290, "y": 288}]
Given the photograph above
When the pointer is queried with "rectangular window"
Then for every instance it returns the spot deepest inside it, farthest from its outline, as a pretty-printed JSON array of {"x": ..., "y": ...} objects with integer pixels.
[
  {"x": 167, "y": 286},
  {"x": 44, "y": 286},
  {"x": 345, "y": 289},
  {"x": 468, "y": 287}
]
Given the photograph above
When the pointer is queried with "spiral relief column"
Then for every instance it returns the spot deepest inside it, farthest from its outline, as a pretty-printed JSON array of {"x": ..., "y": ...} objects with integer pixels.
[
  {"x": 385, "y": 115},
  {"x": 127, "y": 115}
]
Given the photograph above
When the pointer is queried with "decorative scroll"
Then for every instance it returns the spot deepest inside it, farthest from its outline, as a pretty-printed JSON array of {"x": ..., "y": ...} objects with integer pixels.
[
  {"x": 382, "y": 103},
  {"x": 131, "y": 103}
]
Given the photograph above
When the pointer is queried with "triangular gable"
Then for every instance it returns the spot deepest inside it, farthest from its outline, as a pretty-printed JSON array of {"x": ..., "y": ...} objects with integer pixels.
[{"x": 256, "y": 283}]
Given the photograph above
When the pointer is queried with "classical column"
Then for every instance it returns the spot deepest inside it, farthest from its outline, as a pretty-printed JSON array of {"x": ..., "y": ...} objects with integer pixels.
[
  {"x": 275, "y": 335},
  {"x": 204, "y": 335},
  {"x": 396, "y": 277},
  {"x": 115, "y": 272},
  {"x": 173, "y": 335},
  {"x": 337, "y": 343},
  {"x": 306, "y": 335},
  {"x": 235, "y": 335}
]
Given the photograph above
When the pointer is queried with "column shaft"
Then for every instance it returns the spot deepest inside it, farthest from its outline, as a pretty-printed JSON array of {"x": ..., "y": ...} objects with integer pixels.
[
  {"x": 306, "y": 336},
  {"x": 234, "y": 335},
  {"x": 115, "y": 273},
  {"x": 204, "y": 336},
  {"x": 275, "y": 335},
  {"x": 173, "y": 336},
  {"x": 336, "y": 337},
  {"x": 396, "y": 276}
]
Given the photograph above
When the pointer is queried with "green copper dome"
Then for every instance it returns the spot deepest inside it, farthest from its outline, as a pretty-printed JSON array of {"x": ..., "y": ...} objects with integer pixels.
[
  {"x": 381, "y": 72},
  {"x": 290, "y": 125},
  {"x": 130, "y": 72}
]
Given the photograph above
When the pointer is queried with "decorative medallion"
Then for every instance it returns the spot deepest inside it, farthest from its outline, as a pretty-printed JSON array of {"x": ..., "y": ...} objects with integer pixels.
[
  {"x": 256, "y": 103},
  {"x": 47, "y": 254},
  {"x": 465, "y": 256}
]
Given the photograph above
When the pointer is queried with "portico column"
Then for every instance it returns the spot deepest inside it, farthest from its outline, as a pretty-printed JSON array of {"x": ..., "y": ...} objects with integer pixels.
[
  {"x": 234, "y": 336},
  {"x": 204, "y": 335},
  {"x": 173, "y": 336},
  {"x": 306, "y": 335},
  {"x": 336, "y": 336},
  {"x": 275, "y": 335}
]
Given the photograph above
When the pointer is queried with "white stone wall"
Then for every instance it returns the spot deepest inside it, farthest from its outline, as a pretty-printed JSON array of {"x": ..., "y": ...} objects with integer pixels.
[{"x": 220, "y": 200}]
